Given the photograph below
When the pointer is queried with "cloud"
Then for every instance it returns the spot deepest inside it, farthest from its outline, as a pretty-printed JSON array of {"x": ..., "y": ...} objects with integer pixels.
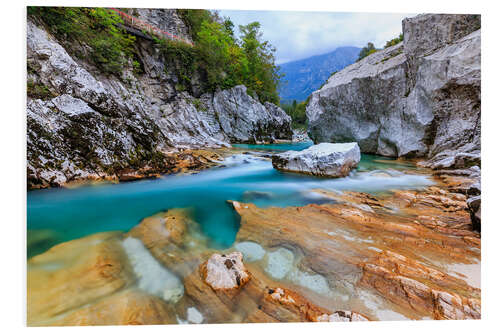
[{"x": 298, "y": 35}]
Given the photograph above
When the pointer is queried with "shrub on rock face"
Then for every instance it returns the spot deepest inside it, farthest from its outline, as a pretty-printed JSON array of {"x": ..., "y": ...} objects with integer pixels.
[
  {"x": 110, "y": 47},
  {"x": 394, "y": 41},
  {"x": 324, "y": 159}
]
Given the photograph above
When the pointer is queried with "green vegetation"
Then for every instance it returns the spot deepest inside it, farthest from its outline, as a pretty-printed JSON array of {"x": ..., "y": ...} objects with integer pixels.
[
  {"x": 111, "y": 47},
  {"x": 218, "y": 59},
  {"x": 198, "y": 104},
  {"x": 298, "y": 113},
  {"x": 392, "y": 55},
  {"x": 38, "y": 91},
  {"x": 221, "y": 59},
  {"x": 367, "y": 50},
  {"x": 394, "y": 41}
]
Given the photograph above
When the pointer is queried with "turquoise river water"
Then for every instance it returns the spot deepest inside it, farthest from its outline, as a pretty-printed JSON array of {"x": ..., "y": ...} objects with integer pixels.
[{"x": 61, "y": 214}]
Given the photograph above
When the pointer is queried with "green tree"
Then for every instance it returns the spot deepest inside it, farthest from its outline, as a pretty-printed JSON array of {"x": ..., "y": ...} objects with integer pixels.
[
  {"x": 214, "y": 44},
  {"x": 297, "y": 111},
  {"x": 366, "y": 51},
  {"x": 263, "y": 76}
]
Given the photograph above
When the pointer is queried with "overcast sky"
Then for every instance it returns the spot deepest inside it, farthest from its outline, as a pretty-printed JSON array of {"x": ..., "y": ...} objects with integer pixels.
[{"x": 298, "y": 35}]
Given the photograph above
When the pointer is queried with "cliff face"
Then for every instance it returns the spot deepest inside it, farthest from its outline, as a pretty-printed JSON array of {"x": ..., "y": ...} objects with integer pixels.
[
  {"x": 418, "y": 98},
  {"x": 83, "y": 124}
]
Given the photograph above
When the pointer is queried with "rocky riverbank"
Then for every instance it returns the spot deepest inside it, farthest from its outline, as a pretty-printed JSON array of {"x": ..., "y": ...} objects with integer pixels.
[
  {"x": 351, "y": 255},
  {"x": 83, "y": 124},
  {"x": 396, "y": 255}
]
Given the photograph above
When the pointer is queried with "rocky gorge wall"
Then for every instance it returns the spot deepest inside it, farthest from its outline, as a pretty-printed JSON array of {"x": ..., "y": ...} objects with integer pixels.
[
  {"x": 419, "y": 98},
  {"x": 83, "y": 124}
]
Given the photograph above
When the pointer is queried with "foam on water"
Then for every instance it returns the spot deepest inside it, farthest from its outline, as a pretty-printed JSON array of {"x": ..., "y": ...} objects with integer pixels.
[{"x": 74, "y": 213}]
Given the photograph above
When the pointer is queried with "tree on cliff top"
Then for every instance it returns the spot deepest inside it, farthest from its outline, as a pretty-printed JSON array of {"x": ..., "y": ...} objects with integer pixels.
[
  {"x": 367, "y": 50},
  {"x": 221, "y": 59},
  {"x": 229, "y": 60},
  {"x": 263, "y": 75},
  {"x": 110, "y": 47}
]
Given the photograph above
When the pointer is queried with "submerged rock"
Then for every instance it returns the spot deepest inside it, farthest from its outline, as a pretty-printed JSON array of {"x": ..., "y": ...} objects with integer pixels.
[
  {"x": 90, "y": 281},
  {"x": 256, "y": 195},
  {"x": 324, "y": 159},
  {"x": 279, "y": 263},
  {"x": 194, "y": 316},
  {"x": 251, "y": 251},
  {"x": 421, "y": 97},
  {"x": 152, "y": 276}
]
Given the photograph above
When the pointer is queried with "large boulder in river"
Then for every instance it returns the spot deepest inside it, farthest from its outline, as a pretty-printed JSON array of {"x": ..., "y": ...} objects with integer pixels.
[
  {"x": 421, "y": 97},
  {"x": 325, "y": 159}
]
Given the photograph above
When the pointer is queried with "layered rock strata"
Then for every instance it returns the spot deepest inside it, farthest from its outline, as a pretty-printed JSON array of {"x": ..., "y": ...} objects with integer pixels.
[
  {"x": 133, "y": 279},
  {"x": 416, "y": 250}
]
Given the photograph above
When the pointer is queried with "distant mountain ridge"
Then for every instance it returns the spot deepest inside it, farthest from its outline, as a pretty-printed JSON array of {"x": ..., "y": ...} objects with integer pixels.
[{"x": 304, "y": 76}]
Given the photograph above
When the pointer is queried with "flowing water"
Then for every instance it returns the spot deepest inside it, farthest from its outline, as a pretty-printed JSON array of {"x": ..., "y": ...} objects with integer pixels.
[{"x": 57, "y": 215}]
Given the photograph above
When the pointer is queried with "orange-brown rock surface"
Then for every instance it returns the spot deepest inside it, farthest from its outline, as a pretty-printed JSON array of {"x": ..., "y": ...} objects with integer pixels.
[
  {"x": 89, "y": 281},
  {"x": 408, "y": 246},
  {"x": 307, "y": 311},
  {"x": 397, "y": 255},
  {"x": 255, "y": 301},
  {"x": 96, "y": 280},
  {"x": 174, "y": 239}
]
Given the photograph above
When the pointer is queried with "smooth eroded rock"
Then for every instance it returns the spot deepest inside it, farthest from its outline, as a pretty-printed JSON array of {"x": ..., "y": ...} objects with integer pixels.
[
  {"x": 402, "y": 249},
  {"x": 324, "y": 159},
  {"x": 421, "y": 97}
]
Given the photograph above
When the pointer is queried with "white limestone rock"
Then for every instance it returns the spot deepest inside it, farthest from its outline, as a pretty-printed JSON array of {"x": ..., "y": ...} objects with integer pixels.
[
  {"x": 421, "y": 97},
  {"x": 324, "y": 159},
  {"x": 226, "y": 271},
  {"x": 340, "y": 316}
]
